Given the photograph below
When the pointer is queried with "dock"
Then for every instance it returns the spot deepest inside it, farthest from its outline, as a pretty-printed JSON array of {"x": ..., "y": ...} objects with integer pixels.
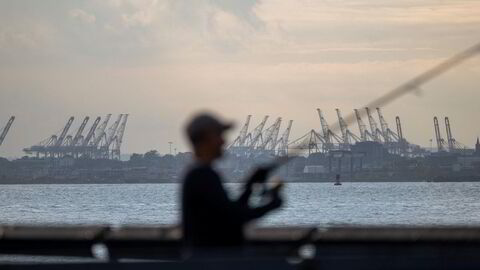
[{"x": 107, "y": 247}]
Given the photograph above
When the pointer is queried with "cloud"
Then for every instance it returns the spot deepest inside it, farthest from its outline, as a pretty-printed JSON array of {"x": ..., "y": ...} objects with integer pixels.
[
  {"x": 82, "y": 16},
  {"x": 160, "y": 59}
]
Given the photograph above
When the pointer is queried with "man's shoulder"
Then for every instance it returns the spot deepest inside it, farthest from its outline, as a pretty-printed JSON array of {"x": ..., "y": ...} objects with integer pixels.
[{"x": 200, "y": 171}]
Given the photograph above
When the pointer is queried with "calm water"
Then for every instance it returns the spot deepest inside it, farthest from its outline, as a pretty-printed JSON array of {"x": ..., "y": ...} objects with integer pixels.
[{"x": 306, "y": 204}]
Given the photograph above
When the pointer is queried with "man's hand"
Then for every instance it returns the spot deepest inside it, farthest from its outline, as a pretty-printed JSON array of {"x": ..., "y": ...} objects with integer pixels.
[
  {"x": 259, "y": 176},
  {"x": 277, "y": 200}
]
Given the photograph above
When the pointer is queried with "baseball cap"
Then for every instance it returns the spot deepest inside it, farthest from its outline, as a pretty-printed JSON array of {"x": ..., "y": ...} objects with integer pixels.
[{"x": 203, "y": 123}]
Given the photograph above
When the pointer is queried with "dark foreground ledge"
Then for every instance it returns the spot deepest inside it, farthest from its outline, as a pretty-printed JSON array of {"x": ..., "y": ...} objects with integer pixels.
[{"x": 103, "y": 247}]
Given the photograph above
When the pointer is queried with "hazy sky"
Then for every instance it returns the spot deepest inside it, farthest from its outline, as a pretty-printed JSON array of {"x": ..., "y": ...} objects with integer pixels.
[{"x": 160, "y": 61}]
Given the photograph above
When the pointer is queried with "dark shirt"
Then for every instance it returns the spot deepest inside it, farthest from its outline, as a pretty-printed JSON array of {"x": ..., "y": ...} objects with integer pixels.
[{"x": 210, "y": 218}]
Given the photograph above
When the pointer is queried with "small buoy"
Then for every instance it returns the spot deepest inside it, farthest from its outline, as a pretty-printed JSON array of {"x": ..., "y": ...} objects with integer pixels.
[{"x": 337, "y": 180}]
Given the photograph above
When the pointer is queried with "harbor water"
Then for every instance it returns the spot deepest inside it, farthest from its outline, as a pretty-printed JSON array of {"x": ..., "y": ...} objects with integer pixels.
[{"x": 306, "y": 204}]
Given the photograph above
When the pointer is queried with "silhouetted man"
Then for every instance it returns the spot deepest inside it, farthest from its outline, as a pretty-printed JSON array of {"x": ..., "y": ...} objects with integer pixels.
[{"x": 210, "y": 217}]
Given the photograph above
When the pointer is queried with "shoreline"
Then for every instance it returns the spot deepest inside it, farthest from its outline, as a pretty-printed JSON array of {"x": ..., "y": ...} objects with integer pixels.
[{"x": 110, "y": 182}]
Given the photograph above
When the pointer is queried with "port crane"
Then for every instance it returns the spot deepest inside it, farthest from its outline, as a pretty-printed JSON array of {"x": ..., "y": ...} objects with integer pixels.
[
  {"x": 242, "y": 136},
  {"x": 59, "y": 139},
  {"x": 270, "y": 135},
  {"x": 450, "y": 139},
  {"x": 110, "y": 135},
  {"x": 283, "y": 141},
  {"x": 97, "y": 143},
  {"x": 365, "y": 135},
  {"x": 311, "y": 141},
  {"x": 118, "y": 139},
  {"x": 91, "y": 132},
  {"x": 79, "y": 134},
  {"x": 328, "y": 135},
  {"x": 347, "y": 136},
  {"x": 6, "y": 129},
  {"x": 438, "y": 136},
  {"x": 255, "y": 136},
  {"x": 376, "y": 132},
  {"x": 100, "y": 132}
]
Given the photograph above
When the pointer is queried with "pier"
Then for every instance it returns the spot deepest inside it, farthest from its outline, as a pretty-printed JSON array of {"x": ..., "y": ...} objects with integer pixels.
[{"x": 104, "y": 247}]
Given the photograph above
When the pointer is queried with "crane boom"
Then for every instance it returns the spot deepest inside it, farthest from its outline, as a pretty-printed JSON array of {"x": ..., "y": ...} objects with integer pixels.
[
  {"x": 91, "y": 132},
  {"x": 6, "y": 129},
  {"x": 361, "y": 126},
  {"x": 399, "y": 128},
  {"x": 269, "y": 132},
  {"x": 383, "y": 126},
  {"x": 373, "y": 125},
  {"x": 121, "y": 130},
  {"x": 78, "y": 135},
  {"x": 282, "y": 149},
  {"x": 343, "y": 127},
  {"x": 242, "y": 135},
  {"x": 450, "y": 139},
  {"x": 60, "y": 138},
  {"x": 112, "y": 131},
  {"x": 244, "y": 131},
  {"x": 100, "y": 132},
  {"x": 438, "y": 136},
  {"x": 325, "y": 128},
  {"x": 257, "y": 132},
  {"x": 274, "y": 138},
  {"x": 119, "y": 137}
]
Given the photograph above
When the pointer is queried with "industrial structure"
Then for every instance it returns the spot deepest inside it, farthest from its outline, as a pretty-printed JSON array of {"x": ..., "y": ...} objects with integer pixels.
[
  {"x": 5, "y": 130},
  {"x": 450, "y": 145},
  {"x": 261, "y": 140},
  {"x": 99, "y": 142},
  {"x": 327, "y": 140}
]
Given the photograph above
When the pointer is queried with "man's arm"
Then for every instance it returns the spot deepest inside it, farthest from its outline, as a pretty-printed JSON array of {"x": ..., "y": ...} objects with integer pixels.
[
  {"x": 259, "y": 176},
  {"x": 238, "y": 211}
]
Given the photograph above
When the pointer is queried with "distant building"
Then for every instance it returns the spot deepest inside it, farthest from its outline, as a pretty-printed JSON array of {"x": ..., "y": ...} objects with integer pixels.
[{"x": 477, "y": 148}]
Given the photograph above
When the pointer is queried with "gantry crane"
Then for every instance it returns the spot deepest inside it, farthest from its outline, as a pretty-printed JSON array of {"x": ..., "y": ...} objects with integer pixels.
[
  {"x": 438, "y": 136},
  {"x": 373, "y": 126},
  {"x": 79, "y": 133},
  {"x": 100, "y": 132},
  {"x": 59, "y": 139},
  {"x": 399, "y": 128},
  {"x": 347, "y": 136},
  {"x": 450, "y": 139},
  {"x": 119, "y": 138},
  {"x": 328, "y": 135},
  {"x": 269, "y": 137},
  {"x": 365, "y": 135},
  {"x": 91, "y": 132},
  {"x": 242, "y": 136},
  {"x": 112, "y": 131},
  {"x": 283, "y": 142},
  {"x": 388, "y": 135},
  {"x": 325, "y": 129},
  {"x": 256, "y": 134},
  {"x": 6, "y": 129}
]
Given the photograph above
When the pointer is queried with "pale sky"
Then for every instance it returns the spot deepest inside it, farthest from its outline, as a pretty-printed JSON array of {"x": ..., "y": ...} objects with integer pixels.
[{"x": 160, "y": 61}]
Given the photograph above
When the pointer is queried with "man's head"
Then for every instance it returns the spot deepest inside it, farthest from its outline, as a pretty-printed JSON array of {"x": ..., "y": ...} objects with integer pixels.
[{"x": 205, "y": 133}]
